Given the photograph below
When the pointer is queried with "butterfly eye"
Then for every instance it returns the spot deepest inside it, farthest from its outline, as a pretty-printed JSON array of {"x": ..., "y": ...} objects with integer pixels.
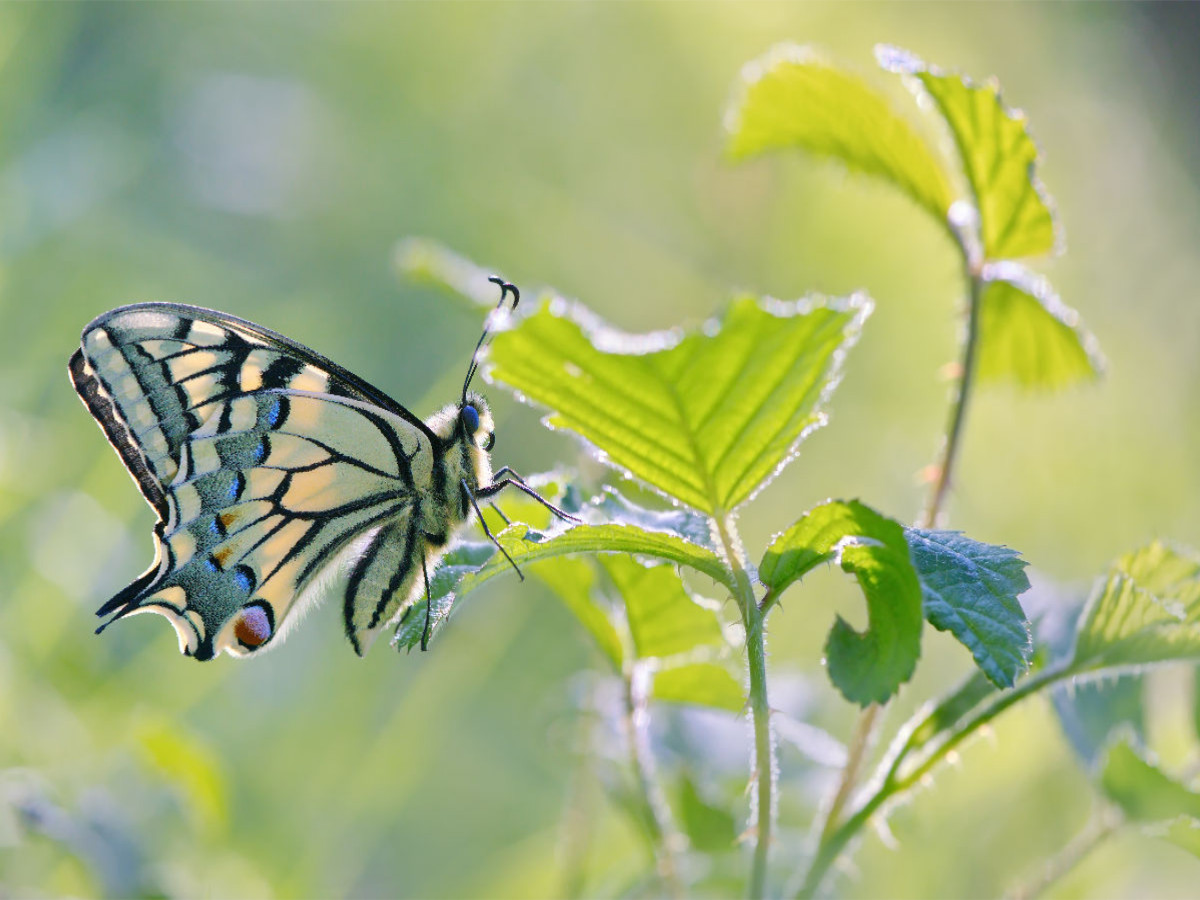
[
  {"x": 490, "y": 442},
  {"x": 470, "y": 417},
  {"x": 254, "y": 625}
]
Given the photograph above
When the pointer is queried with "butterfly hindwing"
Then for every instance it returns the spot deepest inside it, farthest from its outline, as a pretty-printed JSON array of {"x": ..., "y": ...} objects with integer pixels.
[{"x": 266, "y": 464}]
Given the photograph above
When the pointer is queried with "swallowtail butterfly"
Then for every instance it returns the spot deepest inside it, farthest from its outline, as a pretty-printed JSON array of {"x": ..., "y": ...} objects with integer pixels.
[{"x": 272, "y": 469}]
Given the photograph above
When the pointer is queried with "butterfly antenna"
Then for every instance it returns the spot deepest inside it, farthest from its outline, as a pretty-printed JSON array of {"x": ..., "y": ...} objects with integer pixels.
[{"x": 506, "y": 288}]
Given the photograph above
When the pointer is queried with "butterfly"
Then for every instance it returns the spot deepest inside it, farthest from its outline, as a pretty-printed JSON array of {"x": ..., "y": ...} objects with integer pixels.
[{"x": 272, "y": 470}]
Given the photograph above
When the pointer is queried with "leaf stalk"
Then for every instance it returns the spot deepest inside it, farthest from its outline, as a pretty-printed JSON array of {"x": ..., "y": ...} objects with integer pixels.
[{"x": 754, "y": 620}]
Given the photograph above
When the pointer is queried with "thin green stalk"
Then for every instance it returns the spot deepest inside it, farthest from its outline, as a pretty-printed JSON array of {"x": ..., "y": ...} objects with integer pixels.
[
  {"x": 958, "y": 410},
  {"x": 894, "y": 785},
  {"x": 664, "y": 837},
  {"x": 868, "y": 720},
  {"x": 754, "y": 621},
  {"x": 1102, "y": 825}
]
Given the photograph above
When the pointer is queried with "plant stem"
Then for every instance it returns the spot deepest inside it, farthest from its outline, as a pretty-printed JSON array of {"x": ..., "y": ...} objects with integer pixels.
[
  {"x": 754, "y": 621},
  {"x": 664, "y": 837},
  {"x": 1099, "y": 828},
  {"x": 892, "y": 785},
  {"x": 868, "y": 720},
  {"x": 958, "y": 411}
]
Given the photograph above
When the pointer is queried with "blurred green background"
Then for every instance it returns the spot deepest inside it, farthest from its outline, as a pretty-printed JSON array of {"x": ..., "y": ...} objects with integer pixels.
[{"x": 264, "y": 160}]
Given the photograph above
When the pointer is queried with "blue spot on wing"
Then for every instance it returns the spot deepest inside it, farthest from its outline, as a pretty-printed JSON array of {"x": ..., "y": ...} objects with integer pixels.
[
  {"x": 244, "y": 578},
  {"x": 237, "y": 485},
  {"x": 275, "y": 412}
]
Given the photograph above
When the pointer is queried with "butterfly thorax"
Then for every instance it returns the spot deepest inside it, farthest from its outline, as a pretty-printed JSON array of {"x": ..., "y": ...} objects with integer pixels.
[{"x": 465, "y": 431}]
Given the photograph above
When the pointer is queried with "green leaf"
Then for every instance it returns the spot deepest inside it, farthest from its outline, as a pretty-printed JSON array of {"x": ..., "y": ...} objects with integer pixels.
[
  {"x": 998, "y": 155},
  {"x": 527, "y": 546},
  {"x": 1147, "y": 611},
  {"x": 706, "y": 418},
  {"x": 1143, "y": 791},
  {"x": 791, "y": 98},
  {"x": 709, "y": 828},
  {"x": 573, "y": 581},
  {"x": 702, "y": 684},
  {"x": 663, "y": 619},
  {"x": 866, "y": 667},
  {"x": 970, "y": 590},
  {"x": 1028, "y": 335}
]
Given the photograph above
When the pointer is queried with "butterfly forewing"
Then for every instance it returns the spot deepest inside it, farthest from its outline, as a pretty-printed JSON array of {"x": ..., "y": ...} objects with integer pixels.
[{"x": 265, "y": 462}]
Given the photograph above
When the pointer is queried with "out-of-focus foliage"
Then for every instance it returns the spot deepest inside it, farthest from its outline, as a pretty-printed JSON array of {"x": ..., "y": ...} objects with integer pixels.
[{"x": 264, "y": 160}]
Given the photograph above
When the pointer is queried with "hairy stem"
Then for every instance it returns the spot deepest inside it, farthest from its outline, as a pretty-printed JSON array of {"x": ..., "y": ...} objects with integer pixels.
[
  {"x": 1100, "y": 827},
  {"x": 868, "y": 720},
  {"x": 893, "y": 784},
  {"x": 958, "y": 410},
  {"x": 754, "y": 621},
  {"x": 664, "y": 837}
]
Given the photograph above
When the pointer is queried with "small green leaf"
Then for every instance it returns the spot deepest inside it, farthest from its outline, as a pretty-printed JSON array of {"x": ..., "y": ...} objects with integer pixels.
[
  {"x": 1147, "y": 611},
  {"x": 1028, "y": 335},
  {"x": 970, "y": 589},
  {"x": 702, "y": 684},
  {"x": 709, "y": 828},
  {"x": 526, "y": 547},
  {"x": 708, "y": 417},
  {"x": 426, "y": 261},
  {"x": 573, "y": 581},
  {"x": 792, "y": 98},
  {"x": 663, "y": 619},
  {"x": 998, "y": 156},
  {"x": 1143, "y": 791},
  {"x": 866, "y": 667}
]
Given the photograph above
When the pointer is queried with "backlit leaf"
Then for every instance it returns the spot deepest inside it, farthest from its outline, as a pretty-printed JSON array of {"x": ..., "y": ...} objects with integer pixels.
[
  {"x": 865, "y": 666},
  {"x": 663, "y": 619},
  {"x": 791, "y": 98},
  {"x": 526, "y": 547},
  {"x": 998, "y": 155},
  {"x": 1147, "y": 611},
  {"x": 573, "y": 581},
  {"x": 1028, "y": 335},
  {"x": 706, "y": 417}
]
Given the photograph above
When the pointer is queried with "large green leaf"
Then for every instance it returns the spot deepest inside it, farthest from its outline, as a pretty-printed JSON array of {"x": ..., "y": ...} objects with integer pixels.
[
  {"x": 462, "y": 571},
  {"x": 1149, "y": 796},
  {"x": 998, "y": 155},
  {"x": 792, "y": 98},
  {"x": 707, "y": 417},
  {"x": 1147, "y": 611},
  {"x": 573, "y": 581},
  {"x": 865, "y": 666},
  {"x": 971, "y": 589},
  {"x": 1028, "y": 335},
  {"x": 663, "y": 618}
]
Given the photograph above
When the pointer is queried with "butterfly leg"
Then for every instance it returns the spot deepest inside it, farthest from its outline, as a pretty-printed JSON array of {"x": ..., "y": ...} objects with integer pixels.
[
  {"x": 428, "y": 606},
  {"x": 505, "y": 476},
  {"x": 500, "y": 513},
  {"x": 487, "y": 531}
]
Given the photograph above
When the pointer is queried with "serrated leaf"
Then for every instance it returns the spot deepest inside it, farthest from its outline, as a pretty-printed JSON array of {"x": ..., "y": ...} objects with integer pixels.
[
  {"x": 1028, "y": 335},
  {"x": 970, "y": 589},
  {"x": 709, "y": 828},
  {"x": 867, "y": 667},
  {"x": 702, "y": 684},
  {"x": 1146, "y": 612},
  {"x": 663, "y": 619},
  {"x": 616, "y": 507},
  {"x": 573, "y": 582},
  {"x": 708, "y": 417},
  {"x": 1143, "y": 791},
  {"x": 527, "y": 547},
  {"x": 791, "y": 98},
  {"x": 998, "y": 155}
]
